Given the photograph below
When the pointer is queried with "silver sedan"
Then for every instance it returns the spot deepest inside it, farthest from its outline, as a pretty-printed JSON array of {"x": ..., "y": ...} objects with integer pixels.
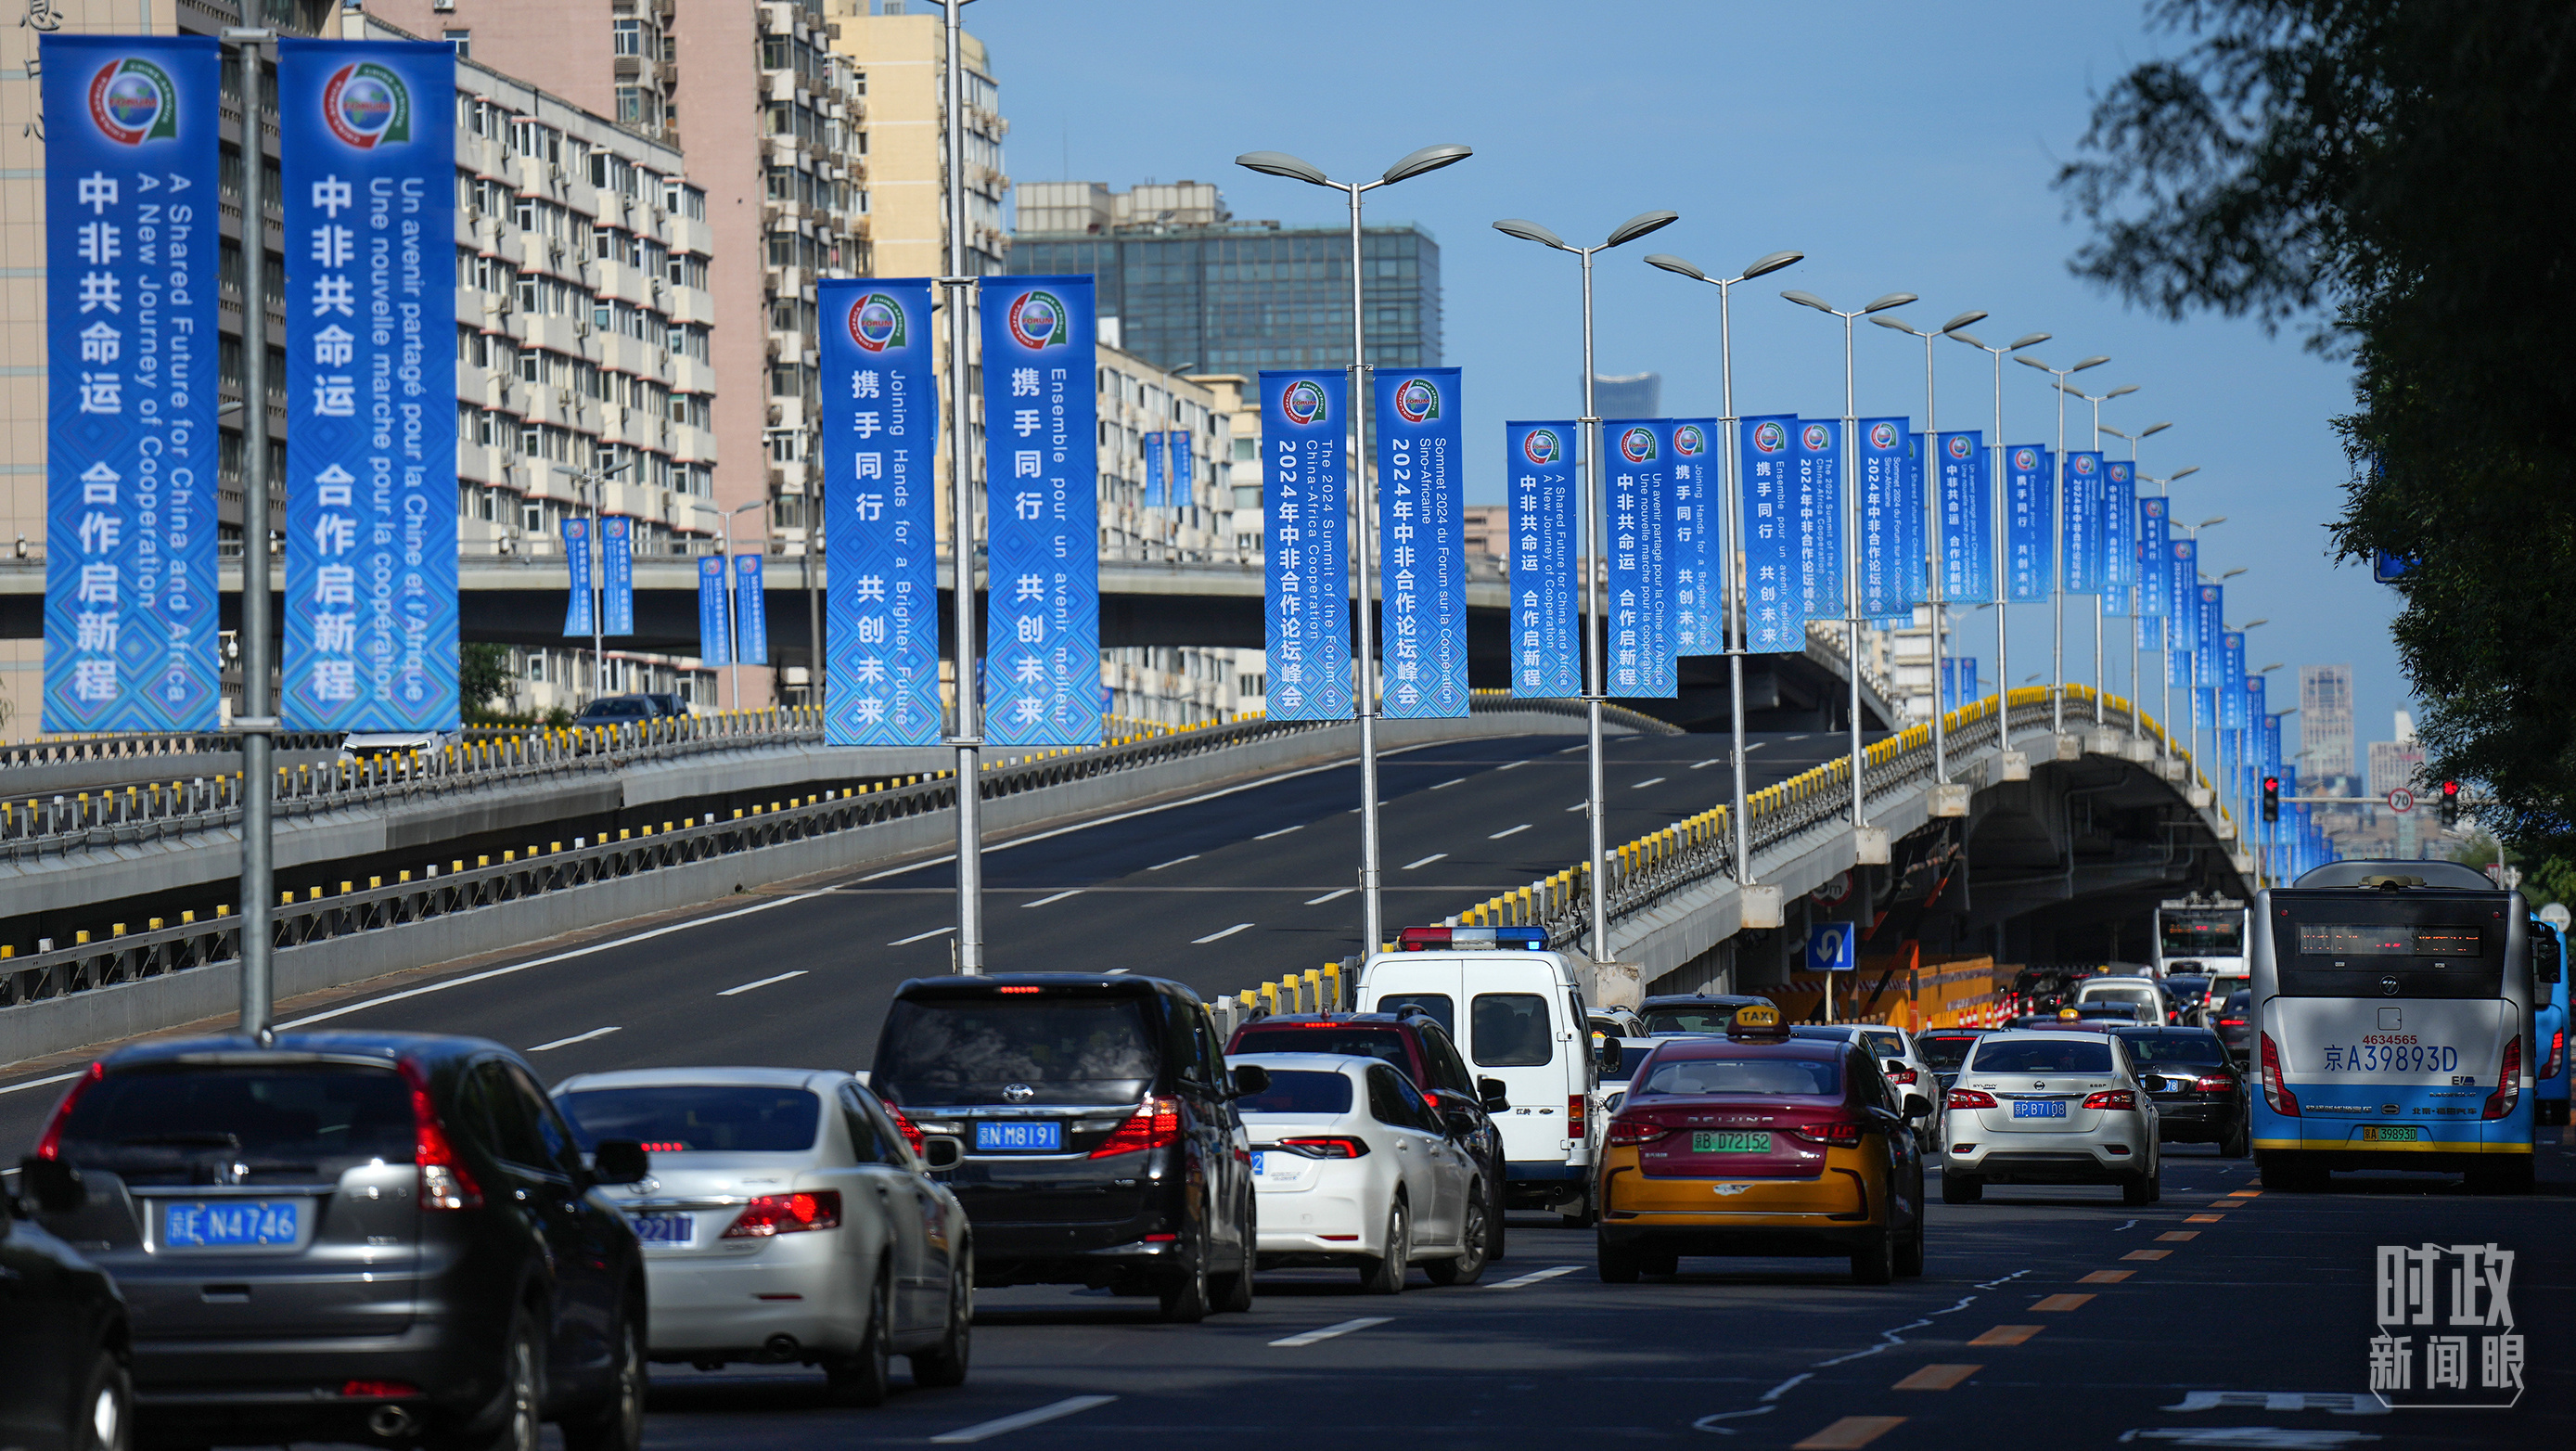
[{"x": 2038, "y": 1107}]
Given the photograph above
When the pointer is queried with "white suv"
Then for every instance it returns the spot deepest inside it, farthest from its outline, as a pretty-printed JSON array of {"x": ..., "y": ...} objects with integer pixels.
[{"x": 2041, "y": 1107}]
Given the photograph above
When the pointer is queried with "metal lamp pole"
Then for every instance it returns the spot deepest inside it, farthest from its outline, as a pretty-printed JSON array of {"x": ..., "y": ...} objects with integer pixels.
[
  {"x": 1736, "y": 623},
  {"x": 2138, "y": 589},
  {"x": 255, "y": 722},
  {"x": 1931, "y": 430},
  {"x": 1595, "y": 682},
  {"x": 2003, "y": 534},
  {"x": 1851, "y": 538},
  {"x": 2173, "y": 608},
  {"x": 2057, "y": 585},
  {"x": 2192, "y": 657},
  {"x": 1363, "y": 494},
  {"x": 591, "y": 483},
  {"x": 2099, "y": 664}
]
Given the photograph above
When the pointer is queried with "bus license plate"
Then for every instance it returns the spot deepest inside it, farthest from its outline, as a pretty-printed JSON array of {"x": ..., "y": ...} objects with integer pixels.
[
  {"x": 1730, "y": 1141},
  {"x": 1004, "y": 1136},
  {"x": 2047, "y": 1108},
  {"x": 2393, "y": 1134},
  {"x": 230, "y": 1223},
  {"x": 670, "y": 1229}
]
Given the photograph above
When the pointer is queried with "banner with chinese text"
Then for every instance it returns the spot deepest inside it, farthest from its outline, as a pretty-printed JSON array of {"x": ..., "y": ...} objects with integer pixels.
[
  {"x": 1042, "y": 513},
  {"x": 880, "y": 436}
]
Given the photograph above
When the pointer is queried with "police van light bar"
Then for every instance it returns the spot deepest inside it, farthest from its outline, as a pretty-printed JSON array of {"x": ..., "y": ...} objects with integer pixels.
[{"x": 1472, "y": 939}]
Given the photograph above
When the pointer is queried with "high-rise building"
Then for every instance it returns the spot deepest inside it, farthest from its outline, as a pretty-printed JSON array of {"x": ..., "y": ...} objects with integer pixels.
[
  {"x": 1629, "y": 395},
  {"x": 1195, "y": 290},
  {"x": 2325, "y": 721},
  {"x": 2399, "y": 762}
]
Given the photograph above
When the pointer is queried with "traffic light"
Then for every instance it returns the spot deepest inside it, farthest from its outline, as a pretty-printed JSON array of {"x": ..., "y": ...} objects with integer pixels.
[
  {"x": 2450, "y": 804},
  {"x": 2271, "y": 798}
]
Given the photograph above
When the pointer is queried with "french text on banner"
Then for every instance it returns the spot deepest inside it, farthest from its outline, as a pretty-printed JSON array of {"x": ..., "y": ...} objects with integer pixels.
[
  {"x": 580, "y": 594},
  {"x": 880, "y": 430},
  {"x": 1422, "y": 562},
  {"x": 1884, "y": 503},
  {"x": 617, "y": 575},
  {"x": 750, "y": 611},
  {"x": 1547, "y": 661},
  {"x": 1305, "y": 582},
  {"x": 1775, "y": 615},
  {"x": 1042, "y": 512},
  {"x": 1637, "y": 650},
  {"x": 1816, "y": 493}
]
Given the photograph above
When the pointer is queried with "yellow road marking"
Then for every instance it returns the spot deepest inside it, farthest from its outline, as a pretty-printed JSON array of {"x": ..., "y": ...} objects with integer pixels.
[
  {"x": 2008, "y": 1335},
  {"x": 2178, "y": 1235},
  {"x": 1849, "y": 1433},
  {"x": 2146, "y": 1254},
  {"x": 2061, "y": 1302},
  {"x": 2109, "y": 1277},
  {"x": 2203, "y": 1218},
  {"x": 1937, "y": 1377}
]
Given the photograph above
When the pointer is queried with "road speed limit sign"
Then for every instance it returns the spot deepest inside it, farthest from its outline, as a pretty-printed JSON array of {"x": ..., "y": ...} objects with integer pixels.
[{"x": 2401, "y": 799}]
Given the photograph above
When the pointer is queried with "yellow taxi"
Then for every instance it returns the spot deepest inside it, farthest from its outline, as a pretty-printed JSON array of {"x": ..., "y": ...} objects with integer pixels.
[{"x": 1759, "y": 1143}]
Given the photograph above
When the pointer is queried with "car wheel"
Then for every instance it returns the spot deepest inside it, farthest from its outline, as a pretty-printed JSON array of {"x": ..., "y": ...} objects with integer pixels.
[
  {"x": 945, "y": 1363},
  {"x": 1874, "y": 1262},
  {"x": 1618, "y": 1263},
  {"x": 617, "y": 1422},
  {"x": 2513, "y": 1176},
  {"x": 1958, "y": 1188},
  {"x": 1233, "y": 1292},
  {"x": 1581, "y": 1215},
  {"x": 2139, "y": 1190},
  {"x": 102, "y": 1417},
  {"x": 2283, "y": 1174},
  {"x": 1664, "y": 1263},
  {"x": 510, "y": 1421},
  {"x": 1909, "y": 1250},
  {"x": 864, "y": 1377},
  {"x": 2233, "y": 1145},
  {"x": 1385, "y": 1274},
  {"x": 1185, "y": 1296},
  {"x": 1469, "y": 1266}
]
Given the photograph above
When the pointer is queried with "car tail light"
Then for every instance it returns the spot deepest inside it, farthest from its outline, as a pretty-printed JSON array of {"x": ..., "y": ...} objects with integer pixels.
[
  {"x": 1629, "y": 1132},
  {"x": 1971, "y": 1098},
  {"x": 2214, "y": 1084},
  {"x": 1577, "y": 1122},
  {"x": 51, "y": 1146},
  {"x": 2275, "y": 1092},
  {"x": 911, "y": 1131},
  {"x": 1015, "y": 991},
  {"x": 1844, "y": 1135},
  {"x": 771, "y": 1214},
  {"x": 2508, "y": 1082},
  {"x": 2557, "y": 1053},
  {"x": 2116, "y": 1099},
  {"x": 2231, "y": 1022},
  {"x": 445, "y": 1183},
  {"x": 1900, "y": 1075},
  {"x": 377, "y": 1390},
  {"x": 1156, "y": 1124},
  {"x": 1327, "y": 1146}
]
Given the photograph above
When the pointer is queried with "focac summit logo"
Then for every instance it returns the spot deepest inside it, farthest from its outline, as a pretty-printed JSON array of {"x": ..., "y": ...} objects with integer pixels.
[
  {"x": 2119, "y": 472},
  {"x": 2084, "y": 464},
  {"x": 1688, "y": 441},
  {"x": 1882, "y": 435},
  {"x": 1541, "y": 446},
  {"x": 1959, "y": 446},
  {"x": 1038, "y": 319},
  {"x": 1417, "y": 400},
  {"x": 132, "y": 101},
  {"x": 1637, "y": 445},
  {"x": 367, "y": 105},
  {"x": 2026, "y": 460},
  {"x": 1816, "y": 438},
  {"x": 876, "y": 322},
  {"x": 1303, "y": 402},
  {"x": 1770, "y": 437}
]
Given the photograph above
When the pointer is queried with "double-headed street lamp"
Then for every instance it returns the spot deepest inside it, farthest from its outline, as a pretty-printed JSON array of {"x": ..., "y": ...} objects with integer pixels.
[
  {"x": 1731, "y": 545},
  {"x": 1363, "y": 494},
  {"x": 2173, "y": 605},
  {"x": 2138, "y": 590},
  {"x": 2057, "y": 585},
  {"x": 1931, "y": 506},
  {"x": 591, "y": 483},
  {"x": 1865, "y": 851},
  {"x": 2003, "y": 525},
  {"x": 2104, "y": 595},
  {"x": 1595, "y": 560},
  {"x": 733, "y": 640},
  {"x": 2191, "y": 657}
]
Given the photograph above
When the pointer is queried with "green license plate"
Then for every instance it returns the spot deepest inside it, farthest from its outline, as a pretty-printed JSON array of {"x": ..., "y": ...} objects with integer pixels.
[
  {"x": 2393, "y": 1134},
  {"x": 1731, "y": 1141}
]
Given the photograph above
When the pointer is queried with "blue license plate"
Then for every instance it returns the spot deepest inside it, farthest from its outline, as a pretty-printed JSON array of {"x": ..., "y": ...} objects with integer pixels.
[
  {"x": 2051, "y": 1108},
  {"x": 1258, "y": 1157},
  {"x": 673, "y": 1229},
  {"x": 230, "y": 1223},
  {"x": 1004, "y": 1136}
]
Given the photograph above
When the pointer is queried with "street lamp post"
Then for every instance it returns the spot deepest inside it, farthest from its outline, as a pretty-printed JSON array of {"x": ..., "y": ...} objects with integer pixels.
[
  {"x": 1595, "y": 558},
  {"x": 255, "y": 722},
  {"x": 2057, "y": 585},
  {"x": 1732, "y": 544},
  {"x": 1864, "y": 850},
  {"x": 1932, "y": 511},
  {"x": 2100, "y": 664},
  {"x": 591, "y": 483},
  {"x": 2193, "y": 655},
  {"x": 733, "y": 642},
  {"x": 2173, "y": 609},
  {"x": 2138, "y": 590},
  {"x": 1363, "y": 493},
  {"x": 2003, "y": 530}
]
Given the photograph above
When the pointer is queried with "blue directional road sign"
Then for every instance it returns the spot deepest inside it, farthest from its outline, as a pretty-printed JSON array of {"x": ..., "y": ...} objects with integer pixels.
[{"x": 1832, "y": 947}]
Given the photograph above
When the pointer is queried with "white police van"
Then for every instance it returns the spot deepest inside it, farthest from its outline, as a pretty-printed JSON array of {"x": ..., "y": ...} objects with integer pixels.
[{"x": 1516, "y": 1011}]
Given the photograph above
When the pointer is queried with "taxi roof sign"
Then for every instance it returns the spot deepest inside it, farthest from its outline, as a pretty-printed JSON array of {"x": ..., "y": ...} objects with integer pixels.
[
  {"x": 1757, "y": 1021},
  {"x": 2068, "y": 1015}
]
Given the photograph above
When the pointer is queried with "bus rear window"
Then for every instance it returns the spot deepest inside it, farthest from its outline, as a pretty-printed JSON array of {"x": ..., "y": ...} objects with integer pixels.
[
  {"x": 2204, "y": 934},
  {"x": 2347, "y": 958}
]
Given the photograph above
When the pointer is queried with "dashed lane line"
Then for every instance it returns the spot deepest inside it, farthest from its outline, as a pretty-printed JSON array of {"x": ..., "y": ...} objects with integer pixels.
[
  {"x": 1579, "y": 806},
  {"x": 921, "y": 936},
  {"x": 2054, "y": 1304},
  {"x": 2177, "y": 1236},
  {"x": 2008, "y": 1335},
  {"x": 1445, "y": 785},
  {"x": 1849, "y": 1433},
  {"x": 1649, "y": 781},
  {"x": 1509, "y": 831},
  {"x": 1533, "y": 1277},
  {"x": 1219, "y": 936},
  {"x": 1328, "y": 1332},
  {"x": 1426, "y": 861},
  {"x": 741, "y": 988},
  {"x": 986, "y": 1430},
  {"x": 1058, "y": 897},
  {"x": 2106, "y": 1277},
  {"x": 1328, "y": 896},
  {"x": 1283, "y": 831},
  {"x": 1937, "y": 1378},
  {"x": 2203, "y": 1218},
  {"x": 1176, "y": 861},
  {"x": 575, "y": 1038},
  {"x": 2146, "y": 1254}
]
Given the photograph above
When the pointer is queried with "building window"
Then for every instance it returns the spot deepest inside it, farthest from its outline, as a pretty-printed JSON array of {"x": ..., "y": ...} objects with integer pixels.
[
  {"x": 629, "y": 35},
  {"x": 460, "y": 41}
]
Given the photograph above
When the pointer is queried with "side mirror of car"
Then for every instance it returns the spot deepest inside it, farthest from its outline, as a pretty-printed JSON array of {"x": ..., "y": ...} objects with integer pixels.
[
  {"x": 1613, "y": 1053},
  {"x": 619, "y": 1161},
  {"x": 1917, "y": 1106},
  {"x": 1251, "y": 1078},
  {"x": 54, "y": 1185},
  {"x": 1490, "y": 1092},
  {"x": 942, "y": 1152}
]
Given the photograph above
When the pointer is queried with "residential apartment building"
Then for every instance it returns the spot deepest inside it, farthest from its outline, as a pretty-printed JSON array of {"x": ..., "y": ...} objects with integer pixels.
[{"x": 1190, "y": 521}]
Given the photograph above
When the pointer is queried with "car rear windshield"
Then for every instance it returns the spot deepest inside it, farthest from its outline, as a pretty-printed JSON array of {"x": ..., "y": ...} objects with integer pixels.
[
  {"x": 1776, "y": 1076},
  {"x": 191, "y": 1124},
  {"x": 677, "y": 1118},
  {"x": 1384, "y": 1043},
  {"x": 1690, "y": 1020},
  {"x": 2190, "y": 1049},
  {"x": 1944, "y": 1053},
  {"x": 2041, "y": 1055},
  {"x": 963, "y": 1051},
  {"x": 1299, "y": 1090}
]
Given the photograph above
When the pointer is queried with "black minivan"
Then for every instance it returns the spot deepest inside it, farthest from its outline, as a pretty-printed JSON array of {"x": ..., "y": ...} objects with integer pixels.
[
  {"x": 1097, "y": 1116},
  {"x": 375, "y": 1237}
]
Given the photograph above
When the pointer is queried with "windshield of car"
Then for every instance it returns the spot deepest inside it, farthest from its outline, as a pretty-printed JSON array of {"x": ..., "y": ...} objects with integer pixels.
[
  {"x": 2041, "y": 1055},
  {"x": 1300, "y": 1090},
  {"x": 2238, "y": 1001},
  {"x": 679, "y": 1118},
  {"x": 968, "y": 1050},
  {"x": 1943, "y": 1053},
  {"x": 1384, "y": 1042},
  {"x": 1715, "y": 1018},
  {"x": 298, "y": 1123},
  {"x": 616, "y": 710},
  {"x": 1792, "y": 1076},
  {"x": 2186, "y": 1048},
  {"x": 1438, "y": 1005}
]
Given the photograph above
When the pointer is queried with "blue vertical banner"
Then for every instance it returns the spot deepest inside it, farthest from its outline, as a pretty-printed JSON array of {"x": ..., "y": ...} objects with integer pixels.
[
  {"x": 1422, "y": 556},
  {"x": 1638, "y": 647},
  {"x": 880, "y": 435},
  {"x": 2027, "y": 519},
  {"x": 2182, "y": 592},
  {"x": 1817, "y": 490},
  {"x": 2155, "y": 576},
  {"x": 1181, "y": 489},
  {"x": 617, "y": 575},
  {"x": 2151, "y": 634},
  {"x": 2119, "y": 535},
  {"x": 2205, "y": 650},
  {"x": 367, "y": 188},
  {"x": 1698, "y": 613},
  {"x": 2266, "y": 730},
  {"x": 580, "y": 594},
  {"x": 2081, "y": 501},
  {"x": 132, "y": 242},
  {"x": 2231, "y": 680},
  {"x": 1305, "y": 584},
  {"x": 1967, "y": 520},
  {"x": 1547, "y": 649},
  {"x": 1885, "y": 571},
  {"x": 1958, "y": 681},
  {"x": 1042, "y": 506},
  {"x": 1153, "y": 446},
  {"x": 715, "y": 622},
  {"x": 750, "y": 611},
  {"x": 1774, "y": 610}
]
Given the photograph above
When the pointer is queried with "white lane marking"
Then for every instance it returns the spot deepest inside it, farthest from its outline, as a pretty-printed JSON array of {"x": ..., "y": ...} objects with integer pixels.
[
  {"x": 1649, "y": 781},
  {"x": 1312, "y": 1337},
  {"x": 1580, "y": 806},
  {"x": 1886, "y": 1339},
  {"x": 584, "y": 951},
  {"x": 986, "y": 1430},
  {"x": 1176, "y": 861},
  {"x": 1511, "y": 766},
  {"x": 1769, "y": 1399},
  {"x": 2006, "y": 1280},
  {"x": 1757, "y": 745},
  {"x": 1426, "y": 861},
  {"x": 1114, "y": 972},
  {"x": 2132, "y": 1224},
  {"x": 921, "y": 937},
  {"x": 1283, "y": 831},
  {"x": 1711, "y": 761},
  {"x": 1533, "y": 1277},
  {"x": 1219, "y": 936},
  {"x": 2280, "y": 1438},
  {"x": 575, "y": 1038},
  {"x": 1509, "y": 831},
  {"x": 41, "y": 1082},
  {"x": 1445, "y": 785},
  {"x": 764, "y": 982},
  {"x": 1570, "y": 750},
  {"x": 2341, "y": 1403},
  {"x": 1058, "y": 897},
  {"x": 1310, "y": 901}
]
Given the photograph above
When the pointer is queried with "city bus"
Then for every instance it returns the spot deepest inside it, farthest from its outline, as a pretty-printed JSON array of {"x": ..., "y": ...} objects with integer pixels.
[
  {"x": 2203, "y": 935},
  {"x": 2392, "y": 1007}
]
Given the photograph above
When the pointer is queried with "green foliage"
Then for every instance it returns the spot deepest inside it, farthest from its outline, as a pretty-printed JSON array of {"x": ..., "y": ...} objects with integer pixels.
[
  {"x": 2370, "y": 166},
  {"x": 483, "y": 672}
]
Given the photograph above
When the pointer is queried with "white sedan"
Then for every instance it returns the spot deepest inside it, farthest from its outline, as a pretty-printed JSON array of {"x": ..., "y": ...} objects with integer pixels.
[
  {"x": 2039, "y": 1107},
  {"x": 1352, "y": 1167},
  {"x": 787, "y": 1221}
]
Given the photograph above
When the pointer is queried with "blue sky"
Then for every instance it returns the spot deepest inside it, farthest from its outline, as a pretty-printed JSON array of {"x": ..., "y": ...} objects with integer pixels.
[{"x": 1901, "y": 146}]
